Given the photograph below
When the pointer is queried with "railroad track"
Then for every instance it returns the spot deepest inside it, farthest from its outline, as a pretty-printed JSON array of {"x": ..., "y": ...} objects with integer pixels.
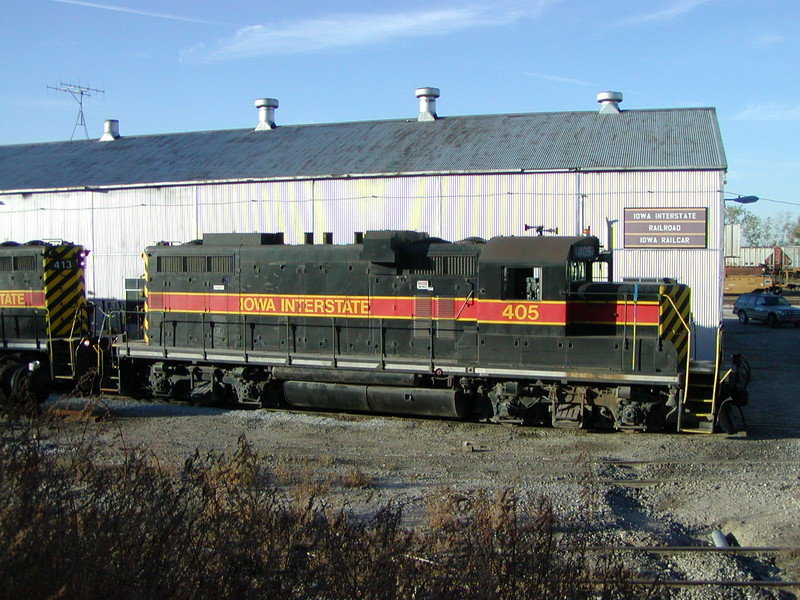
[
  {"x": 87, "y": 414},
  {"x": 687, "y": 583},
  {"x": 707, "y": 550}
]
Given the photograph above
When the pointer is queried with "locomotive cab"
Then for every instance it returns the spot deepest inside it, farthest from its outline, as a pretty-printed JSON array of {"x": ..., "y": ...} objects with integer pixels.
[
  {"x": 536, "y": 268},
  {"x": 43, "y": 315}
]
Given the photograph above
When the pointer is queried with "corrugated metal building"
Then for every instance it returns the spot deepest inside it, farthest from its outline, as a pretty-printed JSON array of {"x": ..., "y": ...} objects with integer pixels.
[{"x": 634, "y": 178}]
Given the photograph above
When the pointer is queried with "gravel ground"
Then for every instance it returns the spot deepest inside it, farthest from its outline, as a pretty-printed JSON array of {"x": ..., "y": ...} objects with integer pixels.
[{"x": 647, "y": 489}]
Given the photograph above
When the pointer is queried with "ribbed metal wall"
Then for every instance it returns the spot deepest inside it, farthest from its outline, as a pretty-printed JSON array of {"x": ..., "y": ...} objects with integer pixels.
[
  {"x": 606, "y": 197},
  {"x": 252, "y": 207},
  {"x": 116, "y": 226}
]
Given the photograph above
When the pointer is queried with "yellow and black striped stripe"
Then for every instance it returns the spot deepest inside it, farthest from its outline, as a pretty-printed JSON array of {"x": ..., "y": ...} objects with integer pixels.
[
  {"x": 674, "y": 317},
  {"x": 145, "y": 320},
  {"x": 65, "y": 291}
]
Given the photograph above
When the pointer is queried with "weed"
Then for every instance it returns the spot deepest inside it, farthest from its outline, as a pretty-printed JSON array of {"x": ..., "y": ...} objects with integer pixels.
[
  {"x": 355, "y": 478},
  {"x": 88, "y": 522}
]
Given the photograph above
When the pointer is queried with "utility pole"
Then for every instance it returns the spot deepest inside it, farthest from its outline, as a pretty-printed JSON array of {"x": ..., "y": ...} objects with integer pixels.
[{"x": 78, "y": 92}]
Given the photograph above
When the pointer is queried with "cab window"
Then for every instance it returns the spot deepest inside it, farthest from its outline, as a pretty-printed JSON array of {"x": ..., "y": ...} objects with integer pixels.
[
  {"x": 522, "y": 284},
  {"x": 578, "y": 271}
]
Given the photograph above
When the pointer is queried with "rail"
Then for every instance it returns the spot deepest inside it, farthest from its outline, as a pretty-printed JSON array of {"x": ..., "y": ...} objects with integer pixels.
[
  {"x": 72, "y": 352},
  {"x": 717, "y": 380},
  {"x": 635, "y": 312},
  {"x": 744, "y": 584}
]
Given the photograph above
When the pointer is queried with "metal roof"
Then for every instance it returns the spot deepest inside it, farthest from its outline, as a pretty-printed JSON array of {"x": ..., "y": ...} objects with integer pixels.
[{"x": 669, "y": 139}]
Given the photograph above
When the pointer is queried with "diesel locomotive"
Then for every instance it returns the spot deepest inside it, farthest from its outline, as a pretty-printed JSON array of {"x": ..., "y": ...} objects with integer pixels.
[
  {"x": 511, "y": 329},
  {"x": 44, "y": 326}
]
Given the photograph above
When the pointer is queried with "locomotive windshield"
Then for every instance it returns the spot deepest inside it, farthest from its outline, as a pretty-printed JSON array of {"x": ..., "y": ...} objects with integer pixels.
[{"x": 579, "y": 271}]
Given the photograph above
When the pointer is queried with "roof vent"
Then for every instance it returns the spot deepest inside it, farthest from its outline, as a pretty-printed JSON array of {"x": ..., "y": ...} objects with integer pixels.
[
  {"x": 427, "y": 103},
  {"x": 266, "y": 113},
  {"x": 609, "y": 102},
  {"x": 110, "y": 131}
]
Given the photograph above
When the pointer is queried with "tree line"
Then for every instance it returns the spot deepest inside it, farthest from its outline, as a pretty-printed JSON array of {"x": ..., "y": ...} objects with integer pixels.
[{"x": 782, "y": 229}]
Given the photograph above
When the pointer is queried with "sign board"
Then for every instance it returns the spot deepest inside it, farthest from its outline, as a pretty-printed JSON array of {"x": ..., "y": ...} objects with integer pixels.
[{"x": 666, "y": 227}]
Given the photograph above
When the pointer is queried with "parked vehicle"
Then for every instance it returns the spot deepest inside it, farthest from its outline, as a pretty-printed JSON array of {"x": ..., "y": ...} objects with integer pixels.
[{"x": 770, "y": 308}]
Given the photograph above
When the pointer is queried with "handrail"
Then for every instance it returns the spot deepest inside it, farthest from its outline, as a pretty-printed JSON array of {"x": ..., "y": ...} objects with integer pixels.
[
  {"x": 624, "y": 345},
  {"x": 334, "y": 341},
  {"x": 50, "y": 356},
  {"x": 716, "y": 372},
  {"x": 466, "y": 303},
  {"x": 72, "y": 352},
  {"x": 635, "y": 311}
]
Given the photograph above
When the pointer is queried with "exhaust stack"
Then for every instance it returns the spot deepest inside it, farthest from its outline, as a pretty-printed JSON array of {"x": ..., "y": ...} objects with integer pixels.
[
  {"x": 609, "y": 102},
  {"x": 427, "y": 103},
  {"x": 110, "y": 131},
  {"x": 266, "y": 113}
]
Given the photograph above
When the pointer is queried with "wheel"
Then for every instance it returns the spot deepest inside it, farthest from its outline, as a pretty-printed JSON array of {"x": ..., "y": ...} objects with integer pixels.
[
  {"x": 743, "y": 317},
  {"x": 772, "y": 320}
]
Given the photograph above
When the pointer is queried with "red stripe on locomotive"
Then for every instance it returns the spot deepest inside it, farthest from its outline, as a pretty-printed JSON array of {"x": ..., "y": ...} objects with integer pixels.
[
  {"x": 22, "y": 299},
  {"x": 403, "y": 307}
]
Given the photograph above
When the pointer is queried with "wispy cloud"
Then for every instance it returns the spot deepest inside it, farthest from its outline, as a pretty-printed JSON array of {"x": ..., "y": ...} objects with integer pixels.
[
  {"x": 668, "y": 12},
  {"x": 558, "y": 79},
  {"x": 769, "y": 112},
  {"x": 136, "y": 11},
  {"x": 767, "y": 39},
  {"x": 358, "y": 29}
]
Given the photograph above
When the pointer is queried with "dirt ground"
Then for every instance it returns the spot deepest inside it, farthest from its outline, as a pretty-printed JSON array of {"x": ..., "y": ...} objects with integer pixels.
[{"x": 653, "y": 489}]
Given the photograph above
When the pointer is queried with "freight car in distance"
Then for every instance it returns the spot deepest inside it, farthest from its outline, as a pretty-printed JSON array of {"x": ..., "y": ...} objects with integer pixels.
[{"x": 510, "y": 329}]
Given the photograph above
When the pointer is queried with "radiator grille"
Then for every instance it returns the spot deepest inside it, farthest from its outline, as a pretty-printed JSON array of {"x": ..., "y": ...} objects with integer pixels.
[
  {"x": 442, "y": 265},
  {"x": 17, "y": 263},
  {"x": 195, "y": 264}
]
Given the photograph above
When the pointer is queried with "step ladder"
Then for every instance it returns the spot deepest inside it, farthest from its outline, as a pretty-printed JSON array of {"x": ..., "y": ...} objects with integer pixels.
[
  {"x": 62, "y": 358},
  {"x": 698, "y": 407}
]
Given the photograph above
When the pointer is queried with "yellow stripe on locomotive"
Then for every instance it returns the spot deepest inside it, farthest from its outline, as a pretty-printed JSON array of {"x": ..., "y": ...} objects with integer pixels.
[
  {"x": 65, "y": 291},
  {"x": 675, "y": 318}
]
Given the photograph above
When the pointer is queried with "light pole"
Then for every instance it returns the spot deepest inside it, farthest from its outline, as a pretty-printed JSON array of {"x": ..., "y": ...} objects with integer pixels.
[
  {"x": 731, "y": 242},
  {"x": 742, "y": 199}
]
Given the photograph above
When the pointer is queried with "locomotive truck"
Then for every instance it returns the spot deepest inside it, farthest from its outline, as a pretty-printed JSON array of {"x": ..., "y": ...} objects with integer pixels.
[{"x": 511, "y": 329}]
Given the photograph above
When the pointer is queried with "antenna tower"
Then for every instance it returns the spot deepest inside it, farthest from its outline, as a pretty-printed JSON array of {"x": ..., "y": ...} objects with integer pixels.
[{"x": 78, "y": 92}]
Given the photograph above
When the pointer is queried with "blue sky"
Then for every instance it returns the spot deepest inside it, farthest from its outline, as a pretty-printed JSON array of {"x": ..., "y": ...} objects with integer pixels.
[{"x": 169, "y": 66}]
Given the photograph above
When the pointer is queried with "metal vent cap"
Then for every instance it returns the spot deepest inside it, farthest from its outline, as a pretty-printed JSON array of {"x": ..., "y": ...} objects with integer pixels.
[
  {"x": 609, "y": 101},
  {"x": 266, "y": 113},
  {"x": 427, "y": 103}
]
